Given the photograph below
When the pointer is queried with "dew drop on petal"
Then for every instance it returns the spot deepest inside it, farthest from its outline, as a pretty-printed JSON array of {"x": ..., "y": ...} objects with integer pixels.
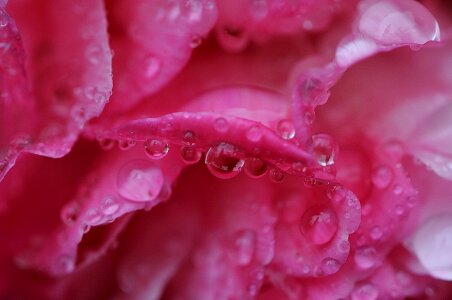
[
  {"x": 286, "y": 129},
  {"x": 365, "y": 257},
  {"x": 276, "y": 175},
  {"x": 195, "y": 41},
  {"x": 70, "y": 213},
  {"x": 109, "y": 205},
  {"x": 189, "y": 138},
  {"x": 324, "y": 149},
  {"x": 319, "y": 224},
  {"x": 106, "y": 143},
  {"x": 156, "y": 149},
  {"x": 254, "y": 133},
  {"x": 93, "y": 216},
  {"x": 365, "y": 291},
  {"x": 376, "y": 233},
  {"x": 224, "y": 160},
  {"x": 140, "y": 181},
  {"x": 243, "y": 247},
  {"x": 221, "y": 125},
  {"x": 126, "y": 144},
  {"x": 330, "y": 266},
  {"x": 255, "y": 167},
  {"x": 382, "y": 177},
  {"x": 190, "y": 155},
  {"x": 312, "y": 92}
]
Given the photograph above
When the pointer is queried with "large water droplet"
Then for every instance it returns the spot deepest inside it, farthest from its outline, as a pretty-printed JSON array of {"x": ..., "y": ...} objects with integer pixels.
[
  {"x": 224, "y": 160},
  {"x": 255, "y": 167},
  {"x": 254, "y": 134},
  {"x": 139, "y": 180},
  {"x": 190, "y": 155},
  {"x": 286, "y": 129},
  {"x": 243, "y": 248},
  {"x": 324, "y": 149},
  {"x": 365, "y": 257},
  {"x": 319, "y": 224},
  {"x": 156, "y": 149},
  {"x": 330, "y": 266},
  {"x": 365, "y": 291},
  {"x": 221, "y": 125},
  {"x": 382, "y": 177}
]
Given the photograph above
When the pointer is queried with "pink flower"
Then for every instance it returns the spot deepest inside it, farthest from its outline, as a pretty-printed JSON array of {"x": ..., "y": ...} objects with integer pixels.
[{"x": 201, "y": 149}]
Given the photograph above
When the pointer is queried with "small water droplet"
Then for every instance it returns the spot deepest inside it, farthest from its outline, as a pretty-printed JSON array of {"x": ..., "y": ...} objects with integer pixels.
[
  {"x": 276, "y": 175},
  {"x": 224, "y": 160},
  {"x": 255, "y": 167},
  {"x": 365, "y": 257},
  {"x": 397, "y": 190},
  {"x": 195, "y": 41},
  {"x": 221, "y": 125},
  {"x": 285, "y": 129},
  {"x": 126, "y": 144},
  {"x": 365, "y": 291},
  {"x": 232, "y": 39},
  {"x": 86, "y": 228},
  {"x": 151, "y": 67},
  {"x": 140, "y": 181},
  {"x": 319, "y": 224},
  {"x": 106, "y": 143},
  {"x": 243, "y": 247},
  {"x": 382, "y": 177},
  {"x": 312, "y": 92},
  {"x": 309, "y": 118},
  {"x": 190, "y": 155},
  {"x": 324, "y": 149},
  {"x": 93, "y": 216},
  {"x": 156, "y": 149},
  {"x": 399, "y": 209},
  {"x": 376, "y": 233},
  {"x": 254, "y": 133},
  {"x": 189, "y": 138},
  {"x": 330, "y": 266},
  {"x": 70, "y": 213},
  {"x": 109, "y": 205}
]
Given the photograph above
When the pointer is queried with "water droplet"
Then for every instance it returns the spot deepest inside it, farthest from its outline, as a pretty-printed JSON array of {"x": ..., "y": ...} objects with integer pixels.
[
  {"x": 254, "y": 133},
  {"x": 86, "y": 228},
  {"x": 243, "y": 247},
  {"x": 330, "y": 266},
  {"x": 70, "y": 213},
  {"x": 365, "y": 257},
  {"x": 189, "y": 138},
  {"x": 324, "y": 149},
  {"x": 156, "y": 149},
  {"x": 382, "y": 177},
  {"x": 106, "y": 144},
  {"x": 285, "y": 129},
  {"x": 224, "y": 160},
  {"x": 276, "y": 175},
  {"x": 109, "y": 205},
  {"x": 190, "y": 155},
  {"x": 93, "y": 216},
  {"x": 140, "y": 181},
  {"x": 399, "y": 209},
  {"x": 397, "y": 190},
  {"x": 255, "y": 167},
  {"x": 195, "y": 41},
  {"x": 309, "y": 118},
  {"x": 221, "y": 125},
  {"x": 232, "y": 39},
  {"x": 319, "y": 224},
  {"x": 312, "y": 92},
  {"x": 126, "y": 144},
  {"x": 365, "y": 291},
  {"x": 151, "y": 67},
  {"x": 376, "y": 233}
]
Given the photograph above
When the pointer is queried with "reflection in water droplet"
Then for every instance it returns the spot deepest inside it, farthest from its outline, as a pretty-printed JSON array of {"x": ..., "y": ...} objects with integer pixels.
[
  {"x": 312, "y": 92},
  {"x": 382, "y": 177},
  {"x": 156, "y": 149},
  {"x": 365, "y": 257},
  {"x": 319, "y": 224},
  {"x": 221, "y": 125},
  {"x": 139, "y": 180},
  {"x": 286, "y": 129},
  {"x": 224, "y": 160},
  {"x": 255, "y": 167},
  {"x": 254, "y": 133},
  {"x": 324, "y": 149},
  {"x": 190, "y": 155},
  {"x": 276, "y": 175}
]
